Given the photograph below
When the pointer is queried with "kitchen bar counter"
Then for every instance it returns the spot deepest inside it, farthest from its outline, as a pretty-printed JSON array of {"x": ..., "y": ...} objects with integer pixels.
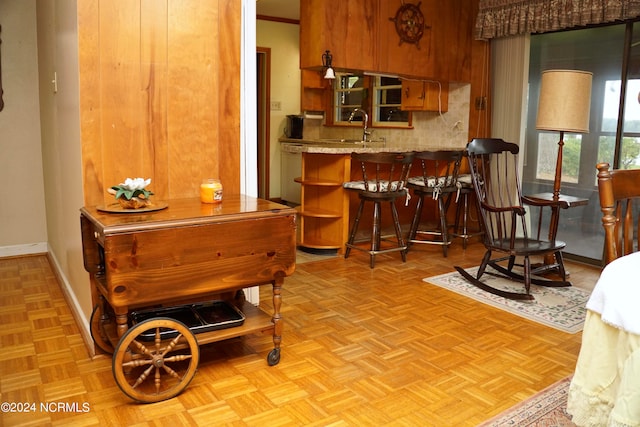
[
  {"x": 324, "y": 204},
  {"x": 325, "y": 146},
  {"x": 325, "y": 207}
]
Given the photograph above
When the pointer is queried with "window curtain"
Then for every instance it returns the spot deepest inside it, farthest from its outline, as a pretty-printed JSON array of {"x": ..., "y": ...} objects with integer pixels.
[
  {"x": 510, "y": 67},
  {"x": 509, "y": 95},
  {"x": 500, "y": 18}
]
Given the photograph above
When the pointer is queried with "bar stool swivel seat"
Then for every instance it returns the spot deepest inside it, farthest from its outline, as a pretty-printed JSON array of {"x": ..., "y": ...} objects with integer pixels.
[
  {"x": 438, "y": 180},
  {"x": 384, "y": 179}
]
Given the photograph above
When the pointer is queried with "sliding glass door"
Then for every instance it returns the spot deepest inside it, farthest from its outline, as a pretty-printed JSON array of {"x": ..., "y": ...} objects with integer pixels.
[{"x": 612, "y": 54}]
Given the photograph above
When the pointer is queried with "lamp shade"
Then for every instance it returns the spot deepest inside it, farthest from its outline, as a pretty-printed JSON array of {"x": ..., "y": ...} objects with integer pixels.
[
  {"x": 565, "y": 101},
  {"x": 329, "y": 74}
]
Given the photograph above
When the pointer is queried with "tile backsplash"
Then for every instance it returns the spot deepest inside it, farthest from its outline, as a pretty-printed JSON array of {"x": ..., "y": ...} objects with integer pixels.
[{"x": 431, "y": 130}]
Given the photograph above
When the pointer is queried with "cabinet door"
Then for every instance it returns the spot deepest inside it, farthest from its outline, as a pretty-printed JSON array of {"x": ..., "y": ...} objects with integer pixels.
[
  {"x": 291, "y": 169},
  {"x": 313, "y": 91},
  {"x": 412, "y": 95},
  {"x": 425, "y": 96},
  {"x": 346, "y": 28}
]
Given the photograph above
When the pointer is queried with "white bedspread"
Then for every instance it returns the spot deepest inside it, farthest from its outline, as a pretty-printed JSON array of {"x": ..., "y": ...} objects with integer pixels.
[{"x": 616, "y": 296}]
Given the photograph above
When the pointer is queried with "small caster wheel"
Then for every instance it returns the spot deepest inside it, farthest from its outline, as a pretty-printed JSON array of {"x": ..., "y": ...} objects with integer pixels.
[
  {"x": 273, "y": 358},
  {"x": 155, "y": 360}
]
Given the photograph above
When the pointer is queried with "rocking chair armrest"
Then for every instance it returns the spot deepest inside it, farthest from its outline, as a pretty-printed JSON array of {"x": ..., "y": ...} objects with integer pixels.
[{"x": 518, "y": 210}]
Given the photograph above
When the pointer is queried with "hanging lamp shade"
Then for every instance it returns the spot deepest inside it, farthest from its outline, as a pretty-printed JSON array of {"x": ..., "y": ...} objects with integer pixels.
[
  {"x": 329, "y": 74},
  {"x": 565, "y": 101}
]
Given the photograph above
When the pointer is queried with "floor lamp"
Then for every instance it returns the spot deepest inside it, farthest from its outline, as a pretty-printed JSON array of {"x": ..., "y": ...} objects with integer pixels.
[{"x": 565, "y": 101}]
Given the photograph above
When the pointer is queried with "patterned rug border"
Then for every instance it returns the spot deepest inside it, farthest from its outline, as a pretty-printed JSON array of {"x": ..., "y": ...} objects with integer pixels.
[
  {"x": 567, "y": 315},
  {"x": 545, "y": 408}
]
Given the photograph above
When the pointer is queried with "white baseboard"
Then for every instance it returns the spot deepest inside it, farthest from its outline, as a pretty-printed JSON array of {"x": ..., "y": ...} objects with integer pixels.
[
  {"x": 253, "y": 295},
  {"x": 74, "y": 305},
  {"x": 19, "y": 250}
]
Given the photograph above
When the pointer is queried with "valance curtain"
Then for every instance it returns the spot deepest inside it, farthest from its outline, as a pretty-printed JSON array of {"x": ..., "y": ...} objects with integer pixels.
[{"x": 500, "y": 18}]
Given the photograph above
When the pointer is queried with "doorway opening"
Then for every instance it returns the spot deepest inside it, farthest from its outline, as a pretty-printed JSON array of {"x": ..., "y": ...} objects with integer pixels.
[{"x": 263, "y": 76}]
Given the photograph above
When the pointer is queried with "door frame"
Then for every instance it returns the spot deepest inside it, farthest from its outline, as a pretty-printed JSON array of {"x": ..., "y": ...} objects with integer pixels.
[
  {"x": 263, "y": 147},
  {"x": 248, "y": 113}
]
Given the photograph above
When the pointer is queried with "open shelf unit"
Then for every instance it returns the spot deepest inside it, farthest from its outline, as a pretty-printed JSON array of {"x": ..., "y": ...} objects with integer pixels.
[{"x": 324, "y": 208}]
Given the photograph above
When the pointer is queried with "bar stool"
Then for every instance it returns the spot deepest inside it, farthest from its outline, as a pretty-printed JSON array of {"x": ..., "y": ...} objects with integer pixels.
[
  {"x": 438, "y": 180},
  {"x": 462, "y": 211},
  {"x": 384, "y": 179}
]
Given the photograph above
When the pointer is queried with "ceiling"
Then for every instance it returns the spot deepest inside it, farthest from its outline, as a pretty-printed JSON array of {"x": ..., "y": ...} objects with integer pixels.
[{"x": 289, "y": 9}]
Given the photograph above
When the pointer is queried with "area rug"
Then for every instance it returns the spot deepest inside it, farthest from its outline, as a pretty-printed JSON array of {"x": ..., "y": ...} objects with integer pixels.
[
  {"x": 546, "y": 408},
  {"x": 559, "y": 308}
]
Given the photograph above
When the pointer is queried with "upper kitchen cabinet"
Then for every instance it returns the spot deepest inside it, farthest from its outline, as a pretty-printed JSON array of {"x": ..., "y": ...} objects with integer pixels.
[
  {"x": 418, "y": 95},
  {"x": 314, "y": 90},
  {"x": 346, "y": 28},
  {"x": 427, "y": 39},
  {"x": 443, "y": 51}
]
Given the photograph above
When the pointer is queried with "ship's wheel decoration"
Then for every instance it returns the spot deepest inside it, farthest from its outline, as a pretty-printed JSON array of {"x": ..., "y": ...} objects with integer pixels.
[{"x": 409, "y": 22}]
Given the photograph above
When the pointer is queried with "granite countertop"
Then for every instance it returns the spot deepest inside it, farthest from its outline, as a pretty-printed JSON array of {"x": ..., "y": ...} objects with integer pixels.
[{"x": 332, "y": 146}]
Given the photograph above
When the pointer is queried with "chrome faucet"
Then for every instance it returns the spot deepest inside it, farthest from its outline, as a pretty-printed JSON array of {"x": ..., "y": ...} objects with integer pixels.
[{"x": 365, "y": 120}]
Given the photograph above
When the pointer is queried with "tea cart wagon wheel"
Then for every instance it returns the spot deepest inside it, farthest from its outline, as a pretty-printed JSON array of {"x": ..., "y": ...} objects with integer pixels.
[
  {"x": 96, "y": 329},
  {"x": 155, "y": 360}
]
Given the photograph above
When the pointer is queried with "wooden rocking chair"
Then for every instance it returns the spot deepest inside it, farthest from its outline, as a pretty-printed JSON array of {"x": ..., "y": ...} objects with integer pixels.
[{"x": 494, "y": 171}]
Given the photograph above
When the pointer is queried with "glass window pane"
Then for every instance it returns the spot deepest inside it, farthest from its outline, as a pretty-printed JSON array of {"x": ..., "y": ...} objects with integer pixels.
[
  {"x": 610, "y": 107},
  {"x": 630, "y": 153},
  {"x": 571, "y": 157},
  {"x": 349, "y": 94},
  {"x": 386, "y": 102},
  {"x": 632, "y": 107},
  {"x": 379, "y": 96},
  {"x": 548, "y": 155},
  {"x": 606, "y": 147}
]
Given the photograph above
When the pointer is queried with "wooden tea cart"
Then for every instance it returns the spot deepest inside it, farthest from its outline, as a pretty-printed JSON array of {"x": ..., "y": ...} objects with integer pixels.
[{"x": 179, "y": 259}]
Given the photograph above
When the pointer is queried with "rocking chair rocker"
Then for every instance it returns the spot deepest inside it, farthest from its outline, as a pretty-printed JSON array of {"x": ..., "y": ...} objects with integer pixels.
[{"x": 494, "y": 171}]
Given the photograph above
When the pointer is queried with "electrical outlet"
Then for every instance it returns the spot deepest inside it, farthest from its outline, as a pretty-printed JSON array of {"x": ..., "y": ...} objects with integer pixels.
[{"x": 276, "y": 106}]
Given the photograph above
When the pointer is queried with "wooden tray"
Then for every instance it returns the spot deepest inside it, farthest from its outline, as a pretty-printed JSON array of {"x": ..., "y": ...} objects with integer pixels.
[
  {"x": 116, "y": 208},
  {"x": 203, "y": 317}
]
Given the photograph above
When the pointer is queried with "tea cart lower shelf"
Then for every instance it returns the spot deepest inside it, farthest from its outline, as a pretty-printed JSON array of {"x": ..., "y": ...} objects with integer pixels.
[{"x": 165, "y": 343}]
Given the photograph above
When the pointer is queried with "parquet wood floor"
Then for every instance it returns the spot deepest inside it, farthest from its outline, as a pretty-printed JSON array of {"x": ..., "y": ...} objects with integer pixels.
[{"x": 360, "y": 347}]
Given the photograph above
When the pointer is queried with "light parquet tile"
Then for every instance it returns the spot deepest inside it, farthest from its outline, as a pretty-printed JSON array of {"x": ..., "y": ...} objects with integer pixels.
[
  {"x": 304, "y": 412},
  {"x": 276, "y": 417},
  {"x": 218, "y": 411},
  {"x": 360, "y": 347},
  {"x": 68, "y": 389},
  {"x": 20, "y": 379}
]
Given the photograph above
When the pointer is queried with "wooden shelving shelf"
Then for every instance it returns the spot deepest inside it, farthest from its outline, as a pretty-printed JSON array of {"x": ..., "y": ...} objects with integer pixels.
[
  {"x": 320, "y": 183},
  {"x": 318, "y": 213},
  {"x": 324, "y": 209}
]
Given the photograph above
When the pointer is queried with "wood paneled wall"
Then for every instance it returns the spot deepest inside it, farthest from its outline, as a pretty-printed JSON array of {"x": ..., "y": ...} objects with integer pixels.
[{"x": 159, "y": 94}]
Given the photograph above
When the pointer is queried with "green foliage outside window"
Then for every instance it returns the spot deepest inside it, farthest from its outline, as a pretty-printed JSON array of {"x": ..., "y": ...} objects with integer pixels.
[{"x": 629, "y": 151}]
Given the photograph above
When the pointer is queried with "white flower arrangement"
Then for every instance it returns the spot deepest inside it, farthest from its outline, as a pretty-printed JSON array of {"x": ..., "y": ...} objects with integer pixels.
[
  {"x": 132, "y": 193},
  {"x": 131, "y": 188}
]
